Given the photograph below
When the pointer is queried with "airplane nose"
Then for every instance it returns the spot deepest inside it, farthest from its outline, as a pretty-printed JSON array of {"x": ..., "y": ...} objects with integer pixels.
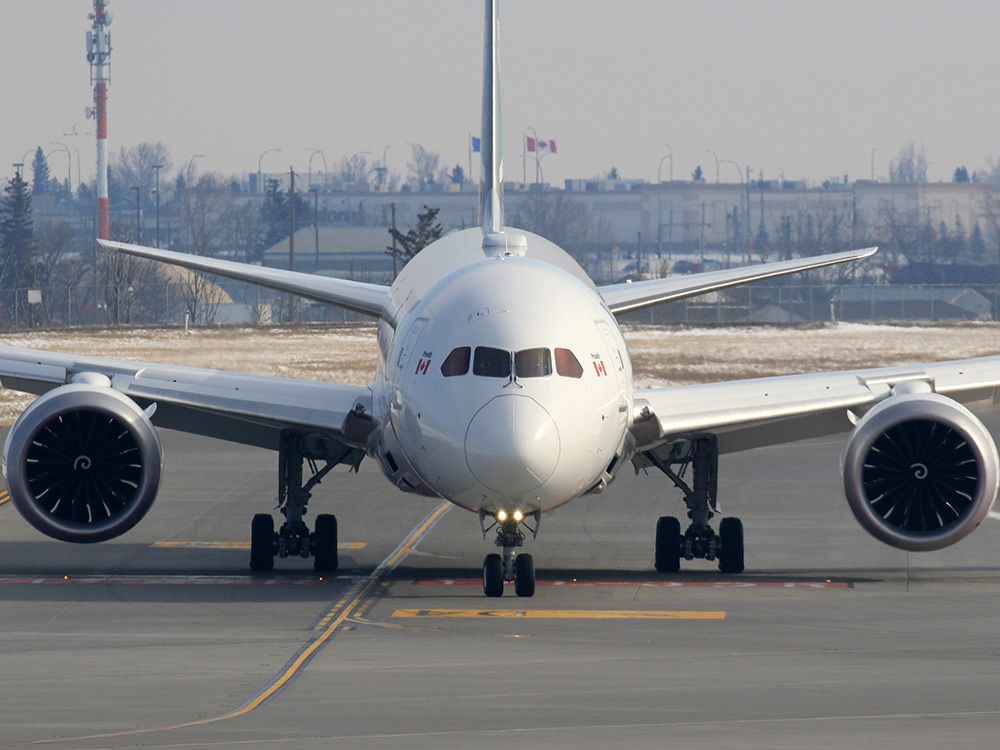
[{"x": 512, "y": 445}]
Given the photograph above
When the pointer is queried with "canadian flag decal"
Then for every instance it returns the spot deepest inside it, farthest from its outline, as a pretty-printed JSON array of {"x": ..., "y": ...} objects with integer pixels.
[
  {"x": 422, "y": 366},
  {"x": 599, "y": 368}
]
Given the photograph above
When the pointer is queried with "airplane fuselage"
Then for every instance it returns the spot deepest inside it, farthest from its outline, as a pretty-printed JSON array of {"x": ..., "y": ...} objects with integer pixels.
[{"x": 503, "y": 382}]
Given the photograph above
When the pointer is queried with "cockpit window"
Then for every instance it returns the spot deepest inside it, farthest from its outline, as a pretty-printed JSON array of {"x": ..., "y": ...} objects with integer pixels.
[
  {"x": 491, "y": 363},
  {"x": 457, "y": 363},
  {"x": 532, "y": 363},
  {"x": 567, "y": 364}
]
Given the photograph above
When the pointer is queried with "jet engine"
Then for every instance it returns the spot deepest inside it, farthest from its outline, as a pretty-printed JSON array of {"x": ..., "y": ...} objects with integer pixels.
[
  {"x": 920, "y": 471},
  {"x": 83, "y": 462}
]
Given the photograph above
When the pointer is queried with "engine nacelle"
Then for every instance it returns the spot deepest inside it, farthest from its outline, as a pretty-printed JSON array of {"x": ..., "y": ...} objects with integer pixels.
[
  {"x": 920, "y": 471},
  {"x": 83, "y": 463}
]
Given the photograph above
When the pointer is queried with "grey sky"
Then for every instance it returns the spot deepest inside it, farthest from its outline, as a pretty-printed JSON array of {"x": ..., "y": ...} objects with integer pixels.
[{"x": 802, "y": 88}]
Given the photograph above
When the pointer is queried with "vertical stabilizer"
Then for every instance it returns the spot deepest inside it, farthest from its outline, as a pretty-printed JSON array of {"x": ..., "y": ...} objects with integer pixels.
[{"x": 491, "y": 181}]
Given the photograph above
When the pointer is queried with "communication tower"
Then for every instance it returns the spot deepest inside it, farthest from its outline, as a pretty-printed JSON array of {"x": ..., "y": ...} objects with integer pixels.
[{"x": 99, "y": 57}]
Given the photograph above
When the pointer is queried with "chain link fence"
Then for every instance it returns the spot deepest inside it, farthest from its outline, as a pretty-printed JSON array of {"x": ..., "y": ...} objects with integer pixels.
[{"x": 244, "y": 304}]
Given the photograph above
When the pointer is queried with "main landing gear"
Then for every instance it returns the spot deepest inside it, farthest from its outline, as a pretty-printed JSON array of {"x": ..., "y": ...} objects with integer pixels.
[
  {"x": 294, "y": 539},
  {"x": 520, "y": 568},
  {"x": 700, "y": 540}
]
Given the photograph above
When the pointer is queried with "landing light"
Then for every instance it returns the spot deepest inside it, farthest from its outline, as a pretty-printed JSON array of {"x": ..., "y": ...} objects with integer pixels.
[
  {"x": 518, "y": 516},
  {"x": 501, "y": 515}
]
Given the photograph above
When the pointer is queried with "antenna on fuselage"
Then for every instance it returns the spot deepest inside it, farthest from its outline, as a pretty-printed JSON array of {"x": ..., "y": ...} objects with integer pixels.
[{"x": 491, "y": 179}]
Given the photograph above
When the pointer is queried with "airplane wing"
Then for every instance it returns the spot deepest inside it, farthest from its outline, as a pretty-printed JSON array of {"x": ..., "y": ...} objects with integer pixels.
[
  {"x": 248, "y": 409},
  {"x": 622, "y": 298},
  {"x": 368, "y": 299},
  {"x": 766, "y": 411}
]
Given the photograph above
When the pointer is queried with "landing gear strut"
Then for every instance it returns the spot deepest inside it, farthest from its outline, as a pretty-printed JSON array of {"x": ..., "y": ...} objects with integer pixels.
[
  {"x": 700, "y": 540},
  {"x": 510, "y": 567},
  {"x": 294, "y": 539}
]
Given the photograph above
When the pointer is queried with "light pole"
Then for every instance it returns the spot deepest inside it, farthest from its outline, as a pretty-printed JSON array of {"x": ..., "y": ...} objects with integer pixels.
[
  {"x": 716, "y": 157},
  {"x": 315, "y": 193},
  {"x": 69, "y": 165},
  {"x": 746, "y": 219},
  {"x": 259, "y": 160},
  {"x": 157, "y": 167},
  {"x": 138, "y": 215},
  {"x": 659, "y": 169},
  {"x": 189, "y": 172},
  {"x": 873, "y": 165},
  {"x": 312, "y": 152},
  {"x": 18, "y": 166}
]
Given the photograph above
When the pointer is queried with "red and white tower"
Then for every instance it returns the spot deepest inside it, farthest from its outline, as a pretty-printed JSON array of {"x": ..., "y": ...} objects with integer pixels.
[{"x": 99, "y": 57}]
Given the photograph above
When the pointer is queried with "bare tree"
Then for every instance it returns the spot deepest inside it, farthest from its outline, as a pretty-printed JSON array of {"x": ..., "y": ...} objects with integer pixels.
[
  {"x": 556, "y": 217},
  {"x": 123, "y": 278},
  {"x": 910, "y": 165},
  {"x": 352, "y": 171},
  {"x": 133, "y": 165},
  {"x": 205, "y": 208},
  {"x": 424, "y": 168},
  {"x": 991, "y": 211}
]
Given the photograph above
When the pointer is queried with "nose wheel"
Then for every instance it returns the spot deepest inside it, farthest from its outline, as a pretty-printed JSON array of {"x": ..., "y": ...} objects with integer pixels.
[{"x": 509, "y": 567}]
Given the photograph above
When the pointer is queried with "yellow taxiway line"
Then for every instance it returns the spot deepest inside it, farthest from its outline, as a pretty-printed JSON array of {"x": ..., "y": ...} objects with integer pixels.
[
  {"x": 338, "y": 614},
  {"x": 4, "y": 497},
  {"x": 564, "y": 614},
  {"x": 177, "y": 544}
]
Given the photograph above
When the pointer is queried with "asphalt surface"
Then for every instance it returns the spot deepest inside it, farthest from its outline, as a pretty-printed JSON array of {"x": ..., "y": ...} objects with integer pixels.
[{"x": 829, "y": 640}]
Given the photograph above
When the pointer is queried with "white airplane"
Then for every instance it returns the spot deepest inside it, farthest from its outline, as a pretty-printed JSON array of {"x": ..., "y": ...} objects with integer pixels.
[{"x": 503, "y": 385}]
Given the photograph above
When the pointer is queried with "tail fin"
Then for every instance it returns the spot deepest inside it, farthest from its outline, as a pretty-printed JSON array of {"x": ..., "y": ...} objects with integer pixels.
[{"x": 491, "y": 181}]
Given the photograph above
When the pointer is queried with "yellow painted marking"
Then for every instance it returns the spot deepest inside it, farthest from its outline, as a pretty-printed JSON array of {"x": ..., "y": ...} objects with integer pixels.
[
  {"x": 565, "y": 614},
  {"x": 177, "y": 544},
  {"x": 4, "y": 497},
  {"x": 345, "y": 611}
]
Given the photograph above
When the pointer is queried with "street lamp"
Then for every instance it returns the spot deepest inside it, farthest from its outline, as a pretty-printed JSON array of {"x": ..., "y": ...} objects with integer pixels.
[
  {"x": 313, "y": 151},
  {"x": 138, "y": 210},
  {"x": 189, "y": 172},
  {"x": 744, "y": 225},
  {"x": 315, "y": 193},
  {"x": 716, "y": 157},
  {"x": 668, "y": 155},
  {"x": 69, "y": 165},
  {"x": 259, "y": 159},
  {"x": 157, "y": 167}
]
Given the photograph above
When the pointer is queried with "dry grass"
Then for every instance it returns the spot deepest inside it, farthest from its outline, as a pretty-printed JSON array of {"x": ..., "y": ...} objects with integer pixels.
[{"x": 662, "y": 356}]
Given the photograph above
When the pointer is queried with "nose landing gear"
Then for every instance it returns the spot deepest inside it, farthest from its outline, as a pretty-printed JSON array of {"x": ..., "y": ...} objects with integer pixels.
[{"x": 518, "y": 569}]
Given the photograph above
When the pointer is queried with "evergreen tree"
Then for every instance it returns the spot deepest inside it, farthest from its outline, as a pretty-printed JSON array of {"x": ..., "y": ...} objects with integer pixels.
[
  {"x": 40, "y": 173},
  {"x": 17, "y": 235},
  {"x": 961, "y": 175},
  {"x": 274, "y": 215},
  {"x": 457, "y": 175},
  {"x": 761, "y": 242},
  {"x": 977, "y": 246},
  {"x": 416, "y": 238},
  {"x": 697, "y": 175}
]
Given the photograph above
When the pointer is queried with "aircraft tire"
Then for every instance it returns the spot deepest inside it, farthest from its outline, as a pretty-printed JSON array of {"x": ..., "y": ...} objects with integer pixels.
[
  {"x": 325, "y": 555},
  {"x": 731, "y": 545},
  {"x": 668, "y": 545},
  {"x": 493, "y": 575},
  {"x": 524, "y": 575},
  {"x": 262, "y": 543}
]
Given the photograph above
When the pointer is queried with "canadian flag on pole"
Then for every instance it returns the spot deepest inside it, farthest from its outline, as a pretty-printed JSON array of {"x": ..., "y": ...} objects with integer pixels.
[{"x": 540, "y": 146}]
